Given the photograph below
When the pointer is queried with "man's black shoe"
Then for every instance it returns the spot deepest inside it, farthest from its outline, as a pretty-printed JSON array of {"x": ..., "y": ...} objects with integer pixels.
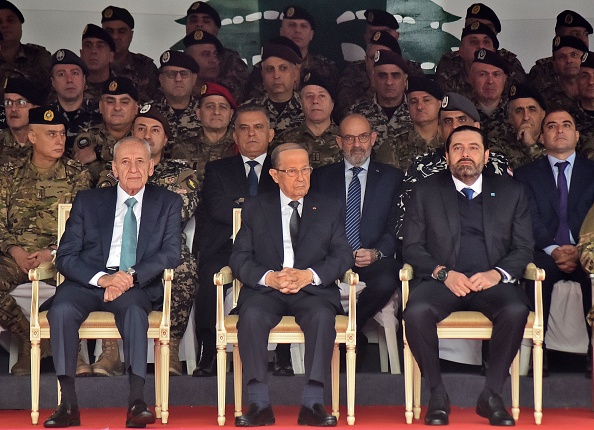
[
  {"x": 64, "y": 416},
  {"x": 206, "y": 367},
  {"x": 282, "y": 362},
  {"x": 139, "y": 415},
  {"x": 256, "y": 416},
  {"x": 490, "y": 405},
  {"x": 438, "y": 411},
  {"x": 316, "y": 416}
]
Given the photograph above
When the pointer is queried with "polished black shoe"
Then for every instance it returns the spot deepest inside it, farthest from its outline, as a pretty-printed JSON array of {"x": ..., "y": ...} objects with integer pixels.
[
  {"x": 282, "y": 362},
  {"x": 438, "y": 411},
  {"x": 490, "y": 405},
  {"x": 255, "y": 417},
  {"x": 65, "y": 416},
  {"x": 316, "y": 416},
  {"x": 139, "y": 415},
  {"x": 206, "y": 367}
]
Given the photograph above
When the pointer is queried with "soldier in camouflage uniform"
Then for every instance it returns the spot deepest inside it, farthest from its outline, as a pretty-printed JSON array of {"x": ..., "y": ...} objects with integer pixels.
[
  {"x": 118, "y": 105},
  {"x": 176, "y": 176},
  {"x": 424, "y": 100},
  {"x": 280, "y": 72},
  {"x": 119, "y": 24},
  {"x": 387, "y": 111},
  {"x": 30, "y": 191},
  {"x": 584, "y": 111},
  {"x": 97, "y": 52}
]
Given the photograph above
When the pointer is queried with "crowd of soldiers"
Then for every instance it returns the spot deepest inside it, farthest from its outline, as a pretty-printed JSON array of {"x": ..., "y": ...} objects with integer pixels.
[{"x": 184, "y": 108}]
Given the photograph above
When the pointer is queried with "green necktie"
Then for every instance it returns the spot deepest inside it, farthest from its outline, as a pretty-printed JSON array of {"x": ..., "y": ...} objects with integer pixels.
[{"x": 128, "y": 254}]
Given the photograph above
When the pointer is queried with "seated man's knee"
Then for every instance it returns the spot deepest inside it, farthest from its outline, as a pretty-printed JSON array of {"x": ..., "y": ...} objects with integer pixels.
[{"x": 417, "y": 312}]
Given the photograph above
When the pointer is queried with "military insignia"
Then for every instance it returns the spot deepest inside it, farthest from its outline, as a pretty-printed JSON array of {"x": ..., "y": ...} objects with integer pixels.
[
  {"x": 195, "y": 5},
  {"x": 315, "y": 156},
  {"x": 104, "y": 184},
  {"x": 307, "y": 77},
  {"x": 376, "y": 36},
  {"x": 145, "y": 108},
  {"x": 113, "y": 85},
  {"x": 370, "y": 17},
  {"x": 476, "y": 9},
  {"x": 198, "y": 35},
  {"x": 83, "y": 143},
  {"x": 85, "y": 30},
  {"x": 290, "y": 12},
  {"x": 556, "y": 41},
  {"x": 5, "y": 82},
  {"x": 475, "y": 25},
  {"x": 108, "y": 13},
  {"x": 191, "y": 184},
  {"x": 376, "y": 57},
  {"x": 165, "y": 57},
  {"x": 60, "y": 55},
  {"x": 169, "y": 180},
  {"x": 481, "y": 54},
  {"x": 568, "y": 18},
  {"x": 203, "y": 89},
  {"x": 444, "y": 102},
  {"x": 48, "y": 115},
  {"x": 584, "y": 57},
  {"x": 512, "y": 91}
]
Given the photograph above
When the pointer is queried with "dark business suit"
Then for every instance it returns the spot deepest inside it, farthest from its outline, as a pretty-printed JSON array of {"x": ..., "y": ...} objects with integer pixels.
[
  {"x": 541, "y": 190},
  {"x": 322, "y": 246},
  {"x": 432, "y": 235},
  {"x": 84, "y": 251},
  {"x": 377, "y": 229}
]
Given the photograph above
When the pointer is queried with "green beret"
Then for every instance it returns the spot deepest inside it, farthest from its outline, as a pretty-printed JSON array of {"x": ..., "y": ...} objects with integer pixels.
[
  {"x": 481, "y": 11},
  {"x": 118, "y": 86},
  {"x": 114, "y": 13},
  {"x": 65, "y": 56},
  {"x": 569, "y": 42},
  {"x": 480, "y": 28},
  {"x": 493, "y": 58},
  {"x": 179, "y": 59},
  {"x": 200, "y": 37},
  {"x": 569, "y": 18},
  {"x": 384, "y": 38},
  {"x": 205, "y": 8}
]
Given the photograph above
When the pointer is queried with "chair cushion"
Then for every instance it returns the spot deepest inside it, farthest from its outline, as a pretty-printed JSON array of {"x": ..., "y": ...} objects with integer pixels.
[
  {"x": 287, "y": 324},
  {"x": 470, "y": 319},
  {"x": 103, "y": 319}
]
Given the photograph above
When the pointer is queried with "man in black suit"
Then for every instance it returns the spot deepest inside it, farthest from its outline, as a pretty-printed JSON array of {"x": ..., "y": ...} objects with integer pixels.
[
  {"x": 227, "y": 182},
  {"x": 557, "y": 220},
  {"x": 117, "y": 242},
  {"x": 289, "y": 251},
  {"x": 468, "y": 237},
  {"x": 370, "y": 210}
]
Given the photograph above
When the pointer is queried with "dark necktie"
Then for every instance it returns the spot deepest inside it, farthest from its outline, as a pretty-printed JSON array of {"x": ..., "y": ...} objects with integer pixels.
[
  {"x": 353, "y": 210},
  {"x": 468, "y": 192},
  {"x": 294, "y": 224},
  {"x": 562, "y": 236},
  {"x": 252, "y": 177},
  {"x": 128, "y": 252}
]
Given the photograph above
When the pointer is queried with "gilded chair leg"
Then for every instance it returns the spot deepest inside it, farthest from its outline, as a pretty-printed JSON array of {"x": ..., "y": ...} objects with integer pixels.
[
  {"x": 537, "y": 376},
  {"x": 335, "y": 379},
  {"x": 164, "y": 377},
  {"x": 158, "y": 376},
  {"x": 416, "y": 390},
  {"x": 35, "y": 357},
  {"x": 221, "y": 382},
  {"x": 515, "y": 387},
  {"x": 351, "y": 359},
  {"x": 237, "y": 379}
]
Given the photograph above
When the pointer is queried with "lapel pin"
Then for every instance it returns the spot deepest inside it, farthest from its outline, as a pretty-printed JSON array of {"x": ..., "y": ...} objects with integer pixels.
[
  {"x": 314, "y": 208},
  {"x": 492, "y": 194}
]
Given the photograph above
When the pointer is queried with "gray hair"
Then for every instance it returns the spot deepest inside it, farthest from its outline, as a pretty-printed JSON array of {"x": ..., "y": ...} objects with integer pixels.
[
  {"x": 131, "y": 139},
  {"x": 274, "y": 157},
  {"x": 250, "y": 107}
]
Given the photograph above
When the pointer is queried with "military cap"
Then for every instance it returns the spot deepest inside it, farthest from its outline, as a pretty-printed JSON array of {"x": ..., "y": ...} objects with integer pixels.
[
  {"x": 150, "y": 111},
  {"x": 384, "y": 38},
  {"x": 480, "y": 28},
  {"x": 46, "y": 115},
  {"x": 25, "y": 88},
  {"x": 481, "y": 11},
  {"x": 527, "y": 91},
  {"x": 213, "y": 89},
  {"x": 96, "y": 32},
  {"x": 382, "y": 57},
  {"x": 200, "y": 37},
  {"x": 66, "y": 56},
  {"x": 569, "y": 42},
  {"x": 118, "y": 86},
  {"x": 179, "y": 59},
  {"x": 492, "y": 58},
  {"x": 4, "y": 4},
  {"x": 452, "y": 102},
  {"x": 205, "y": 8},
  {"x": 311, "y": 77},
  {"x": 380, "y": 18},
  {"x": 282, "y": 47},
  {"x": 297, "y": 12},
  {"x": 588, "y": 60},
  {"x": 569, "y": 18},
  {"x": 114, "y": 13},
  {"x": 420, "y": 83}
]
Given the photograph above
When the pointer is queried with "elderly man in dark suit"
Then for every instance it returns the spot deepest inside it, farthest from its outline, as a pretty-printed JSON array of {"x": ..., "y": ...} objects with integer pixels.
[
  {"x": 468, "y": 237},
  {"x": 117, "y": 242},
  {"x": 288, "y": 253}
]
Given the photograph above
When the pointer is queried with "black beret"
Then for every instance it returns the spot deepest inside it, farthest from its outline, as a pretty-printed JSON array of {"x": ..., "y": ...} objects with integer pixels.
[
  {"x": 118, "y": 86},
  {"x": 492, "y": 58},
  {"x": 311, "y": 77},
  {"x": 569, "y": 42},
  {"x": 282, "y": 47},
  {"x": 455, "y": 102},
  {"x": 46, "y": 115},
  {"x": 96, "y": 32},
  {"x": 480, "y": 28},
  {"x": 4, "y": 4},
  {"x": 389, "y": 57},
  {"x": 179, "y": 59},
  {"x": 150, "y": 111},
  {"x": 481, "y": 11},
  {"x": 569, "y": 18},
  {"x": 297, "y": 12},
  {"x": 114, "y": 13},
  {"x": 420, "y": 83},
  {"x": 200, "y": 37},
  {"x": 588, "y": 60},
  {"x": 25, "y": 88},
  {"x": 526, "y": 91},
  {"x": 384, "y": 38},
  {"x": 381, "y": 18},
  {"x": 205, "y": 8},
  {"x": 65, "y": 56}
]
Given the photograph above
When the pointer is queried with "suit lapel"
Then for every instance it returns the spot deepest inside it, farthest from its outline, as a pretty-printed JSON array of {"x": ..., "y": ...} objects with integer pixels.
[
  {"x": 151, "y": 207},
  {"x": 547, "y": 179},
  {"x": 576, "y": 187},
  {"x": 272, "y": 213},
  {"x": 449, "y": 199},
  {"x": 106, "y": 215},
  {"x": 238, "y": 176},
  {"x": 490, "y": 199},
  {"x": 373, "y": 178}
]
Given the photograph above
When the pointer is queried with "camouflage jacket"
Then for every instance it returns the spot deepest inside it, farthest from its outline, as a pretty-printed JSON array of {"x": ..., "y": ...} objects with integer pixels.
[
  {"x": 541, "y": 72},
  {"x": 555, "y": 96},
  {"x": 87, "y": 115},
  {"x": 10, "y": 150},
  {"x": 322, "y": 149},
  {"x": 29, "y": 201},
  {"x": 93, "y": 89},
  {"x": 290, "y": 117},
  {"x": 400, "y": 151},
  {"x": 584, "y": 121},
  {"x": 516, "y": 152},
  {"x": 495, "y": 127},
  {"x": 234, "y": 74},
  {"x": 184, "y": 125},
  {"x": 141, "y": 70}
]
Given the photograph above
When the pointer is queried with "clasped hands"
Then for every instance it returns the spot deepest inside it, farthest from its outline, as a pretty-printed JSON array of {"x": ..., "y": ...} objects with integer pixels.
[
  {"x": 461, "y": 285},
  {"x": 566, "y": 258},
  {"x": 26, "y": 260},
  {"x": 289, "y": 280},
  {"x": 115, "y": 285}
]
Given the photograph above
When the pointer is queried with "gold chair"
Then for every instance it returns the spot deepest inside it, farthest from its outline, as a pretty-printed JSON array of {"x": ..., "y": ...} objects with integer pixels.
[
  {"x": 287, "y": 331},
  {"x": 475, "y": 325},
  {"x": 100, "y": 325}
]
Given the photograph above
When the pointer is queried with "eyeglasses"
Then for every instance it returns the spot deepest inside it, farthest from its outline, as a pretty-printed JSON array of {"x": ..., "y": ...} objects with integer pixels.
[
  {"x": 172, "y": 74},
  {"x": 20, "y": 103},
  {"x": 350, "y": 139},
  {"x": 291, "y": 173}
]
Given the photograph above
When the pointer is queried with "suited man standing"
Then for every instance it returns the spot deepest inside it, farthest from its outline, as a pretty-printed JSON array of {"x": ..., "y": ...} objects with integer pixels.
[
  {"x": 117, "y": 242},
  {"x": 289, "y": 251},
  {"x": 468, "y": 237},
  {"x": 369, "y": 192}
]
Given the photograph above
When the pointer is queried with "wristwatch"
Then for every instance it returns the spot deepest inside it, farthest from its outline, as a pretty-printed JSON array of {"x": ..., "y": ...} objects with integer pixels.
[
  {"x": 442, "y": 274},
  {"x": 53, "y": 252},
  {"x": 132, "y": 272}
]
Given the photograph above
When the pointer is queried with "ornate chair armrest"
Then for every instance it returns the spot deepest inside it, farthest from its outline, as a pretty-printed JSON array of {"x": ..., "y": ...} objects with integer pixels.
[
  {"x": 352, "y": 279},
  {"x": 45, "y": 270},
  {"x": 222, "y": 278},
  {"x": 537, "y": 275}
]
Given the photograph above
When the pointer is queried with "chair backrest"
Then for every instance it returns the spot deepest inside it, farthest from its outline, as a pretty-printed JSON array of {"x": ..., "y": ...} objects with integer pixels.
[
  {"x": 63, "y": 214},
  {"x": 236, "y": 227}
]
